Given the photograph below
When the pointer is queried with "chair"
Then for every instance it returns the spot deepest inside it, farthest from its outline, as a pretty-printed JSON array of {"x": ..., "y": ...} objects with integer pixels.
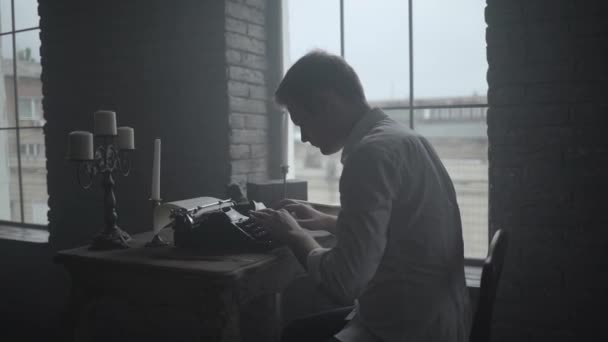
[{"x": 490, "y": 275}]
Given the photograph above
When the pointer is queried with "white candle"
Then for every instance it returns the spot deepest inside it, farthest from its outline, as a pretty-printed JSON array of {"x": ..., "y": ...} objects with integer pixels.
[
  {"x": 104, "y": 122},
  {"x": 126, "y": 138},
  {"x": 156, "y": 171},
  {"x": 284, "y": 138},
  {"x": 80, "y": 145}
]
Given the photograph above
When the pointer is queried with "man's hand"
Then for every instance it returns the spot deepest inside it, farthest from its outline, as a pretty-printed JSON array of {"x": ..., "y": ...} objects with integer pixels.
[
  {"x": 283, "y": 227},
  {"x": 280, "y": 224},
  {"x": 306, "y": 216}
]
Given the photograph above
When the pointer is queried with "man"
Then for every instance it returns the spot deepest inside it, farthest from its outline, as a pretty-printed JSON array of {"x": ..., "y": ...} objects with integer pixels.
[{"x": 399, "y": 249}]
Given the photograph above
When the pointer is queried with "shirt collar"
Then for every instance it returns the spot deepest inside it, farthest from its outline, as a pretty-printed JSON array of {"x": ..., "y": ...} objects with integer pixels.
[{"x": 361, "y": 128}]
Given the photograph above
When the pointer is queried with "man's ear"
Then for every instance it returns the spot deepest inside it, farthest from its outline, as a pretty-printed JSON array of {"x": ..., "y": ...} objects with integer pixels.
[{"x": 326, "y": 101}]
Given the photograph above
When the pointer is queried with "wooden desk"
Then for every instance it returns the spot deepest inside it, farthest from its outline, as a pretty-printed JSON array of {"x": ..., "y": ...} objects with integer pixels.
[{"x": 160, "y": 294}]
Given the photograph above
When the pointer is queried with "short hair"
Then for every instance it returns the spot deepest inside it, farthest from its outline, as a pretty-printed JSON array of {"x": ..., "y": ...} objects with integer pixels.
[{"x": 315, "y": 72}]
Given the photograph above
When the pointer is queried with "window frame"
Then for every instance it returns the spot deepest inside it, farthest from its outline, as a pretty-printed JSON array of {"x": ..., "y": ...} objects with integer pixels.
[
  {"x": 434, "y": 112},
  {"x": 17, "y": 127}
]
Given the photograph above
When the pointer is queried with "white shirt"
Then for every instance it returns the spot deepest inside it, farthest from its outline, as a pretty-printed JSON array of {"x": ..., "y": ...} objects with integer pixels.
[{"x": 399, "y": 249}]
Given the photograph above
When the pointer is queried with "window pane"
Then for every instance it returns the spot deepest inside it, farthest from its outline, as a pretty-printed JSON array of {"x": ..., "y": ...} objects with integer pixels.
[
  {"x": 321, "y": 172},
  {"x": 459, "y": 137},
  {"x": 376, "y": 45},
  {"x": 308, "y": 25},
  {"x": 401, "y": 115},
  {"x": 449, "y": 48},
  {"x": 10, "y": 200},
  {"x": 28, "y": 72},
  {"x": 7, "y": 98},
  {"x": 26, "y": 14},
  {"x": 6, "y": 19},
  {"x": 33, "y": 170}
]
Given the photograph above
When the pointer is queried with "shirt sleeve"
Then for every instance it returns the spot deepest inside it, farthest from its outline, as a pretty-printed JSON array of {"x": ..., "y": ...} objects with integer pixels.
[
  {"x": 368, "y": 186},
  {"x": 313, "y": 260}
]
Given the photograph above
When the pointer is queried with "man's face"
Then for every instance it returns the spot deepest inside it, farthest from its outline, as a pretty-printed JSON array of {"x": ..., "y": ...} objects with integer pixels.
[{"x": 317, "y": 128}]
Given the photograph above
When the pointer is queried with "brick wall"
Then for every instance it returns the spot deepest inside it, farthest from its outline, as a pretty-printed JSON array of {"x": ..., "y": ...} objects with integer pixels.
[
  {"x": 248, "y": 31},
  {"x": 160, "y": 66},
  {"x": 193, "y": 73},
  {"x": 548, "y": 73}
]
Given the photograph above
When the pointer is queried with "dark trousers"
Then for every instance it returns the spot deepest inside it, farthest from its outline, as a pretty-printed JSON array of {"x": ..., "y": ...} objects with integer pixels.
[{"x": 319, "y": 327}]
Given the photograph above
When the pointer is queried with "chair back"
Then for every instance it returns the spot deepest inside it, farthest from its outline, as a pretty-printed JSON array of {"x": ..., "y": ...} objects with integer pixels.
[{"x": 490, "y": 275}]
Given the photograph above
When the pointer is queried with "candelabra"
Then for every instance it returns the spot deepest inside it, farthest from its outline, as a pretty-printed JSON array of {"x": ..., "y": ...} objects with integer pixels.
[
  {"x": 107, "y": 160},
  {"x": 111, "y": 156}
]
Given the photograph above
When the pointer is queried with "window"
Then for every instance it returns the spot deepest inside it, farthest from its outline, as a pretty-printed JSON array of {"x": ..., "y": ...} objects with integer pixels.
[
  {"x": 31, "y": 151},
  {"x": 25, "y": 107},
  {"x": 23, "y": 191},
  {"x": 30, "y": 109},
  {"x": 421, "y": 63}
]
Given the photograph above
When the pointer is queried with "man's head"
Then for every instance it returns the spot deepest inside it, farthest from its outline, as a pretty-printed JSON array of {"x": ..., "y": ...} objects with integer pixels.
[{"x": 324, "y": 97}]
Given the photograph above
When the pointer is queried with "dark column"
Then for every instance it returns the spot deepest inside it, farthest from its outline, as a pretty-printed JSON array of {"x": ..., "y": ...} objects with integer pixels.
[{"x": 548, "y": 164}]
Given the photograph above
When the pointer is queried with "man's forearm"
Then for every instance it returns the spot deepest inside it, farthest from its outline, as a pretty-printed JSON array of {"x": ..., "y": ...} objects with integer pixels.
[{"x": 301, "y": 244}]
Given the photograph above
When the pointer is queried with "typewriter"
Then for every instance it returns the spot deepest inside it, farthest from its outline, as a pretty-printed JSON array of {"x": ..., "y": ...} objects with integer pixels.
[{"x": 219, "y": 226}]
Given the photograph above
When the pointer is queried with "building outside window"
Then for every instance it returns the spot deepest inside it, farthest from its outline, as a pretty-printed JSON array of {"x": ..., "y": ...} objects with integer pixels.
[
  {"x": 30, "y": 109},
  {"x": 23, "y": 190},
  {"x": 421, "y": 63}
]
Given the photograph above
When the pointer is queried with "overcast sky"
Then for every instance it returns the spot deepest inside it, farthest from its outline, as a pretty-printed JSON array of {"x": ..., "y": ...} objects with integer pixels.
[
  {"x": 449, "y": 43},
  {"x": 26, "y": 16}
]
